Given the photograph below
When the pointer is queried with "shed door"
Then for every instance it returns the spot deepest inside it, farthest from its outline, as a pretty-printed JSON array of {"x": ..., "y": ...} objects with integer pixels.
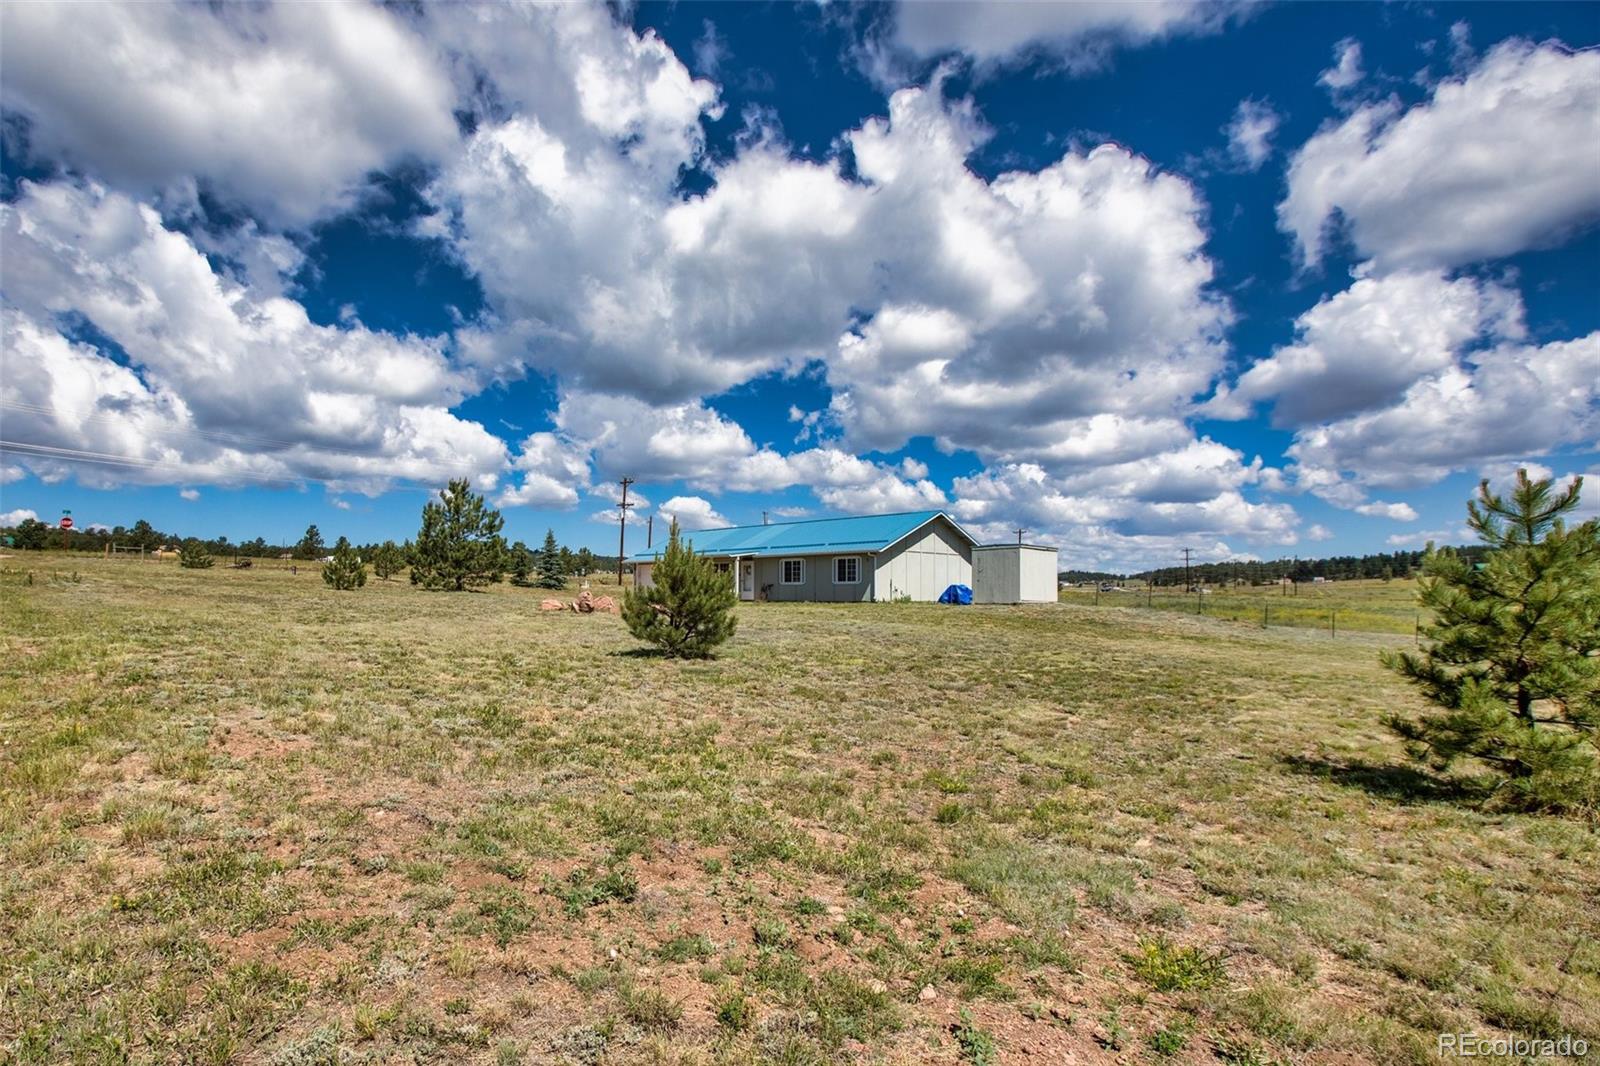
[{"x": 747, "y": 580}]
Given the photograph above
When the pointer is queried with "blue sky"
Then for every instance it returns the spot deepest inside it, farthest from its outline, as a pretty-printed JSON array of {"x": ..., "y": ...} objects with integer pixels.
[{"x": 1262, "y": 280}]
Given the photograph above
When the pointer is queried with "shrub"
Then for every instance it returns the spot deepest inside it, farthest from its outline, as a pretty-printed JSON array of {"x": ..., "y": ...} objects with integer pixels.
[
  {"x": 688, "y": 610},
  {"x": 193, "y": 556}
]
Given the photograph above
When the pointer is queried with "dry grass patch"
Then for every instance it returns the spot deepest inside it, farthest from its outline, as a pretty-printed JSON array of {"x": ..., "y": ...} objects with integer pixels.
[{"x": 245, "y": 817}]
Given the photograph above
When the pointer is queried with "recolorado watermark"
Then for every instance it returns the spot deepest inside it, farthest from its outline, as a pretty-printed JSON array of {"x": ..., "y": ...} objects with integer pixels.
[{"x": 1474, "y": 1046}]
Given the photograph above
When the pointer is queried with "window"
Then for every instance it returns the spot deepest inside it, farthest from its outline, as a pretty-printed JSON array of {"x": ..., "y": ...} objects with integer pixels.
[
  {"x": 792, "y": 571},
  {"x": 847, "y": 570},
  {"x": 723, "y": 568}
]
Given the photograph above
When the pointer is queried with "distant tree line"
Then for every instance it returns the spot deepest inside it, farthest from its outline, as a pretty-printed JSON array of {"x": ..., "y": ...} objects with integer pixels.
[
  {"x": 1380, "y": 565},
  {"x": 386, "y": 557}
]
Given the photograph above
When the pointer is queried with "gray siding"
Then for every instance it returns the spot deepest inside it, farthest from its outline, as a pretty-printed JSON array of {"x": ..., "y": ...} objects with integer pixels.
[
  {"x": 996, "y": 575},
  {"x": 818, "y": 586},
  {"x": 924, "y": 564}
]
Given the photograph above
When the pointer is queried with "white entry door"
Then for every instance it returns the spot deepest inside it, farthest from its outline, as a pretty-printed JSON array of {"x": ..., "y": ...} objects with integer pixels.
[{"x": 747, "y": 581}]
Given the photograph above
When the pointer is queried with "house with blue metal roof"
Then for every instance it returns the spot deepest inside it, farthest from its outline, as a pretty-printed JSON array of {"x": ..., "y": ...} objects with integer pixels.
[{"x": 916, "y": 554}]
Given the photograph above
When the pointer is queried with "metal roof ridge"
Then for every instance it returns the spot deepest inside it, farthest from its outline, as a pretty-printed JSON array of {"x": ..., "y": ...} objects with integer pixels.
[{"x": 826, "y": 518}]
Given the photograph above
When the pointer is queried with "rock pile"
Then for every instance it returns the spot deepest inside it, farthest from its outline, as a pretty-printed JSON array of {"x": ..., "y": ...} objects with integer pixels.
[{"x": 586, "y": 603}]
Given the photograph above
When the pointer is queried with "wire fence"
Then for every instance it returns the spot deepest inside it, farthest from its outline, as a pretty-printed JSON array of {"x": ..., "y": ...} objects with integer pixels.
[{"x": 1355, "y": 607}]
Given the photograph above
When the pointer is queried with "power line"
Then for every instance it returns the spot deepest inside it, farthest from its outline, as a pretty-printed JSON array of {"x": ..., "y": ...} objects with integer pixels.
[
  {"x": 196, "y": 471},
  {"x": 236, "y": 440}
]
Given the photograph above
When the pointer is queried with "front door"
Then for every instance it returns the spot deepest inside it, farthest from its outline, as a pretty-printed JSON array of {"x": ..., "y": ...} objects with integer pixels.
[{"x": 747, "y": 581}]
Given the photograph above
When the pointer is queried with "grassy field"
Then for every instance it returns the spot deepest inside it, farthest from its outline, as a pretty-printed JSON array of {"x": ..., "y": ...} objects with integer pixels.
[
  {"x": 246, "y": 818},
  {"x": 1356, "y": 606}
]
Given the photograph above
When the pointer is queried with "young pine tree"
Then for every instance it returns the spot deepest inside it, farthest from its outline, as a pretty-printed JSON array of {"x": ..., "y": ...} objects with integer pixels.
[
  {"x": 552, "y": 575},
  {"x": 688, "y": 610},
  {"x": 521, "y": 563},
  {"x": 387, "y": 560},
  {"x": 347, "y": 572},
  {"x": 1513, "y": 653},
  {"x": 459, "y": 545},
  {"x": 192, "y": 555}
]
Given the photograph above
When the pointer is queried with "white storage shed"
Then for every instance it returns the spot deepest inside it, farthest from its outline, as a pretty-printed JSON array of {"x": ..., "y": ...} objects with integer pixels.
[{"x": 1013, "y": 573}]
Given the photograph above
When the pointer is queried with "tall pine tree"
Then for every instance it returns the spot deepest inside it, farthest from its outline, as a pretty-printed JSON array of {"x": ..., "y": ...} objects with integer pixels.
[
  {"x": 1513, "y": 653},
  {"x": 459, "y": 545},
  {"x": 551, "y": 573},
  {"x": 346, "y": 572},
  {"x": 310, "y": 546},
  {"x": 688, "y": 608}
]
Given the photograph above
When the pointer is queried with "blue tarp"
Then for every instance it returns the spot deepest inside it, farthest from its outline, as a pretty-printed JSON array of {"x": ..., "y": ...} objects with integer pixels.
[{"x": 956, "y": 594}]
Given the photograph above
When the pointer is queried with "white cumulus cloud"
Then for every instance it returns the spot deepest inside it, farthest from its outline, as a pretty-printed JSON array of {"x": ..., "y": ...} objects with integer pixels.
[
  {"x": 692, "y": 512},
  {"x": 282, "y": 108},
  {"x": 1497, "y": 161},
  {"x": 225, "y": 384}
]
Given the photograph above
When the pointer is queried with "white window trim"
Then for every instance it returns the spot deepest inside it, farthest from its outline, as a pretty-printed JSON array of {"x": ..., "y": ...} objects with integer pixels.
[
  {"x": 783, "y": 569},
  {"x": 837, "y": 559}
]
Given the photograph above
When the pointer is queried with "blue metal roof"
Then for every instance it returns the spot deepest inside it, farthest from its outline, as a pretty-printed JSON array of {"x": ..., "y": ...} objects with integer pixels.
[{"x": 815, "y": 536}]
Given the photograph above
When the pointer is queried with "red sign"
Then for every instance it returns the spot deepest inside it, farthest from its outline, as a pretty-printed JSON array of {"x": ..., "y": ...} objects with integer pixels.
[{"x": 66, "y": 521}]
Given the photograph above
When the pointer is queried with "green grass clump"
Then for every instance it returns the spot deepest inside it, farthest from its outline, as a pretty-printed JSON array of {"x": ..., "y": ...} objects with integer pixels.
[
  {"x": 587, "y": 888},
  {"x": 1169, "y": 968},
  {"x": 652, "y": 1009}
]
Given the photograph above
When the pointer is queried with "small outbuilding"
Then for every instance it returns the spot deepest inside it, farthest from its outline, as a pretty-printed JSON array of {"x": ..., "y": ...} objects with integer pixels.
[{"x": 1013, "y": 573}]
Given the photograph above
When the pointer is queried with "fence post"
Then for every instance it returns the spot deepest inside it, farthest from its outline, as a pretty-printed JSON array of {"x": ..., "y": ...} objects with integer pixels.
[
  {"x": 1264, "y": 609},
  {"x": 1333, "y": 623},
  {"x": 1199, "y": 603}
]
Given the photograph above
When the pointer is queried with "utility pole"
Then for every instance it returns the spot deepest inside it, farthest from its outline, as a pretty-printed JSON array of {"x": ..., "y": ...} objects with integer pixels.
[
  {"x": 649, "y": 531},
  {"x": 1019, "y": 531},
  {"x": 1188, "y": 582},
  {"x": 764, "y": 518},
  {"x": 622, "y": 528}
]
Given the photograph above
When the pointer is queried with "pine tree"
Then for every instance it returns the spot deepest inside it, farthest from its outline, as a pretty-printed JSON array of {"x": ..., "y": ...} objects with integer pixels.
[
  {"x": 387, "y": 560},
  {"x": 144, "y": 535},
  {"x": 1514, "y": 650},
  {"x": 459, "y": 545},
  {"x": 31, "y": 534},
  {"x": 521, "y": 563},
  {"x": 310, "y": 546},
  {"x": 346, "y": 571},
  {"x": 551, "y": 573},
  {"x": 688, "y": 610},
  {"x": 192, "y": 555}
]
